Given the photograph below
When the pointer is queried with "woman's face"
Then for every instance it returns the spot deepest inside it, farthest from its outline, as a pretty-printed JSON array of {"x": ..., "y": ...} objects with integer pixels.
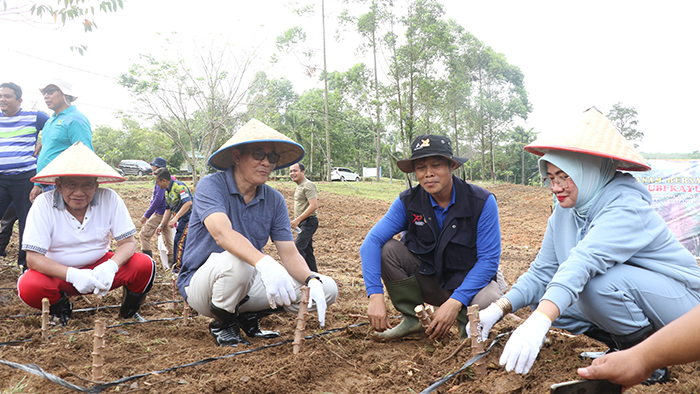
[{"x": 562, "y": 186}]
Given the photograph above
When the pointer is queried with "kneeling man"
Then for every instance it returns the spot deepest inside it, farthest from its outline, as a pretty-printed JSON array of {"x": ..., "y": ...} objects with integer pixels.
[
  {"x": 67, "y": 238},
  {"x": 225, "y": 275}
]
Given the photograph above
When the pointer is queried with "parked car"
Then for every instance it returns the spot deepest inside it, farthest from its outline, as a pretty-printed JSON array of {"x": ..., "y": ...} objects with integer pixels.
[
  {"x": 135, "y": 167},
  {"x": 344, "y": 174}
]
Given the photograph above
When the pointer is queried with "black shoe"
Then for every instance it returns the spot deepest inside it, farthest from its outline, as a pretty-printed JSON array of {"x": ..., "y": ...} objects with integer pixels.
[
  {"x": 3, "y": 253},
  {"x": 250, "y": 323},
  {"x": 62, "y": 309},
  {"x": 226, "y": 336},
  {"x": 131, "y": 302},
  {"x": 661, "y": 375}
]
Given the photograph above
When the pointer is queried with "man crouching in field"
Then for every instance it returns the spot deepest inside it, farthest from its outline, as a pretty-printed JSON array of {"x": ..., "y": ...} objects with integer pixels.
[
  {"x": 225, "y": 274},
  {"x": 67, "y": 238},
  {"x": 449, "y": 251}
]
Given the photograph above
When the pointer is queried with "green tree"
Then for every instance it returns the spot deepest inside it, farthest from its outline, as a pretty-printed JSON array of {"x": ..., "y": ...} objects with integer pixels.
[
  {"x": 625, "y": 120},
  {"x": 194, "y": 107}
]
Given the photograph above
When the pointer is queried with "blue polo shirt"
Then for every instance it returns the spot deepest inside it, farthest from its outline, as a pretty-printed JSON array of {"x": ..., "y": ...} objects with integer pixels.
[
  {"x": 60, "y": 132},
  {"x": 264, "y": 217}
]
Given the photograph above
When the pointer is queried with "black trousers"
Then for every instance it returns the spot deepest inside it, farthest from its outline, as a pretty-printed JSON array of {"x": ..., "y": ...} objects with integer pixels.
[{"x": 305, "y": 242}]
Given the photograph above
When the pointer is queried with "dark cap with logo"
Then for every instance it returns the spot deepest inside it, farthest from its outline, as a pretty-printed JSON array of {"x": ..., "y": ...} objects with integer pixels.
[
  {"x": 159, "y": 162},
  {"x": 427, "y": 145}
]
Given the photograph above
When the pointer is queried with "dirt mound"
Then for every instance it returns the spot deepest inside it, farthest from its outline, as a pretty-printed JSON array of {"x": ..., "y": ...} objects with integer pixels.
[{"x": 342, "y": 361}]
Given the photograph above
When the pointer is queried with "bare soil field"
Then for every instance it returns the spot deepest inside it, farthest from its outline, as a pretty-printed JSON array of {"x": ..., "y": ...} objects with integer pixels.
[{"x": 339, "y": 358}]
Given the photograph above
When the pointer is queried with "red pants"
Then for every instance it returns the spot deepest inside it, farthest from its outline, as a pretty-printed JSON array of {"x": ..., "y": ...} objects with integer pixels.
[{"x": 32, "y": 286}]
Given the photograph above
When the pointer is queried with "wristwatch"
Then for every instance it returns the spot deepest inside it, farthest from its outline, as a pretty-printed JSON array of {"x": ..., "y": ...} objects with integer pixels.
[{"x": 306, "y": 282}]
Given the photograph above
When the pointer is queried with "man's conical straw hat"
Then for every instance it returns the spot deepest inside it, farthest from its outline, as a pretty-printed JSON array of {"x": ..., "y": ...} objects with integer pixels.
[
  {"x": 256, "y": 131},
  {"x": 593, "y": 134},
  {"x": 78, "y": 160}
]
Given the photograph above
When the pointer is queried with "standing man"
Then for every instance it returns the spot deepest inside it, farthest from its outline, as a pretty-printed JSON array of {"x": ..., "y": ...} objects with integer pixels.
[
  {"x": 18, "y": 145},
  {"x": 225, "y": 275},
  {"x": 178, "y": 200},
  {"x": 306, "y": 221},
  {"x": 68, "y": 238},
  {"x": 448, "y": 255},
  {"x": 154, "y": 216},
  {"x": 66, "y": 126}
]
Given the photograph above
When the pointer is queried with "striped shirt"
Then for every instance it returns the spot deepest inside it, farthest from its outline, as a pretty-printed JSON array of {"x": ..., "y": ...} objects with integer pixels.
[{"x": 18, "y": 135}]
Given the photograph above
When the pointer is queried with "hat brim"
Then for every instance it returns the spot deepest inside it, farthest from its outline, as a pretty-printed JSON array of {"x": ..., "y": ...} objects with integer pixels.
[
  {"x": 406, "y": 165},
  {"x": 625, "y": 163},
  {"x": 101, "y": 178},
  {"x": 290, "y": 153}
]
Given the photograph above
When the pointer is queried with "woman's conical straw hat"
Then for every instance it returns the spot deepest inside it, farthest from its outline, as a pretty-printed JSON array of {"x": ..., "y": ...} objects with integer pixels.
[
  {"x": 256, "y": 131},
  {"x": 593, "y": 134},
  {"x": 78, "y": 160}
]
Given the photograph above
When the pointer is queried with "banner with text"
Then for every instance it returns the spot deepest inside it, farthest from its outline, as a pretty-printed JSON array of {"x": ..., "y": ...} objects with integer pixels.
[{"x": 675, "y": 185}]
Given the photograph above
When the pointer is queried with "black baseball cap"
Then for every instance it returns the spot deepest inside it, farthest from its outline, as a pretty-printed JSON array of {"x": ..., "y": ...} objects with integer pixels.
[{"x": 427, "y": 145}]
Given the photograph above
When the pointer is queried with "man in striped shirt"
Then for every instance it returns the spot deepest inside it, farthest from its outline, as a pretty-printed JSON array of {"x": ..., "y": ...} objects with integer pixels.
[{"x": 18, "y": 142}]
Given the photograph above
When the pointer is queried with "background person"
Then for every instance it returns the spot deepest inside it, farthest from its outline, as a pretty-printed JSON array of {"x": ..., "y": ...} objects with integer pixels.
[
  {"x": 154, "y": 216},
  {"x": 66, "y": 126},
  {"x": 305, "y": 214},
  {"x": 68, "y": 236},
  {"x": 449, "y": 251},
  {"x": 178, "y": 200},
  {"x": 18, "y": 146},
  {"x": 225, "y": 275},
  {"x": 609, "y": 267}
]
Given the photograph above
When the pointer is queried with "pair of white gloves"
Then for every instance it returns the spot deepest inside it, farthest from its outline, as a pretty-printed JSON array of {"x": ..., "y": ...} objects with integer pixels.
[
  {"x": 280, "y": 290},
  {"x": 525, "y": 342},
  {"x": 97, "y": 280}
]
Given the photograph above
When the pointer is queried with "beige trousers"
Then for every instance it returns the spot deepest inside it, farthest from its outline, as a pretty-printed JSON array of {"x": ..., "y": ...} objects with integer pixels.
[{"x": 149, "y": 229}]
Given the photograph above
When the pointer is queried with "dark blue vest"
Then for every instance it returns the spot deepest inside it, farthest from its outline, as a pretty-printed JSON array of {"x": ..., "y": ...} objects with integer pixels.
[{"x": 450, "y": 253}]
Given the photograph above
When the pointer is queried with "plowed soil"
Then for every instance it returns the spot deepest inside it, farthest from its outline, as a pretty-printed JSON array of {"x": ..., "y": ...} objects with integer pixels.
[{"x": 344, "y": 360}]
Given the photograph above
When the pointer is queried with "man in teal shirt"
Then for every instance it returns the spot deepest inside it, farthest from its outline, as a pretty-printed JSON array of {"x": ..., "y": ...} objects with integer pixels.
[{"x": 66, "y": 126}]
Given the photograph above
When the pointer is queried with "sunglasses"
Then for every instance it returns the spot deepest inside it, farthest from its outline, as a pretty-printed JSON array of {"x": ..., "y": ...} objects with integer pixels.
[
  {"x": 49, "y": 91},
  {"x": 259, "y": 154}
]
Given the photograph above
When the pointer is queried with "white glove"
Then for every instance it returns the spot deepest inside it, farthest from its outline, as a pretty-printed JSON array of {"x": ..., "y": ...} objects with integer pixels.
[
  {"x": 488, "y": 318},
  {"x": 83, "y": 281},
  {"x": 278, "y": 283},
  {"x": 525, "y": 343},
  {"x": 105, "y": 274},
  {"x": 316, "y": 294}
]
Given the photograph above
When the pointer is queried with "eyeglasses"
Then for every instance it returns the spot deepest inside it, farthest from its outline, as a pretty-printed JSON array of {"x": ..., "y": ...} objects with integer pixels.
[
  {"x": 49, "y": 91},
  {"x": 560, "y": 180},
  {"x": 259, "y": 154}
]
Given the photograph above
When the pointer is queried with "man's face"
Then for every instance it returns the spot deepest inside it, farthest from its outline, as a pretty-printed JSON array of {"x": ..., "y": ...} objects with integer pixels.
[
  {"x": 163, "y": 183},
  {"x": 54, "y": 98},
  {"x": 296, "y": 174},
  {"x": 77, "y": 191},
  {"x": 434, "y": 174},
  {"x": 255, "y": 171},
  {"x": 9, "y": 105}
]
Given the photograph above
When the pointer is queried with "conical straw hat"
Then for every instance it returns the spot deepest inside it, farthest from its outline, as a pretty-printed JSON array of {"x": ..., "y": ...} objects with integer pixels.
[
  {"x": 256, "y": 131},
  {"x": 593, "y": 134},
  {"x": 78, "y": 160}
]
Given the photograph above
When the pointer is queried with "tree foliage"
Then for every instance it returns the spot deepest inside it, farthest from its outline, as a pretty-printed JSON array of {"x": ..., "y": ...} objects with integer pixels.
[{"x": 625, "y": 119}]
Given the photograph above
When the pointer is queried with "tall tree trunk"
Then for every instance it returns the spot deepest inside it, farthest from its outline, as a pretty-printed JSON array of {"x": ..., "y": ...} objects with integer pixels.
[
  {"x": 377, "y": 134},
  {"x": 325, "y": 91}
]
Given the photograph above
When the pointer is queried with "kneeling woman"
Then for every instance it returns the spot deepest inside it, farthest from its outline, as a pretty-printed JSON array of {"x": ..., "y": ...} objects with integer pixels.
[{"x": 609, "y": 267}]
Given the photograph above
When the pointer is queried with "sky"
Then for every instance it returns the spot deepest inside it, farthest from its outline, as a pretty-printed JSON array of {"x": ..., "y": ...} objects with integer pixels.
[{"x": 573, "y": 55}]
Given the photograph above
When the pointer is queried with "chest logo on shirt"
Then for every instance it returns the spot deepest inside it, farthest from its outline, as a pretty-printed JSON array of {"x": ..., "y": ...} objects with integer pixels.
[{"x": 418, "y": 220}]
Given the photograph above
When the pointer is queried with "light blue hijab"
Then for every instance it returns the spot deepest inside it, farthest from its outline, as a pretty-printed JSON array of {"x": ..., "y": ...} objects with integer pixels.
[{"x": 589, "y": 173}]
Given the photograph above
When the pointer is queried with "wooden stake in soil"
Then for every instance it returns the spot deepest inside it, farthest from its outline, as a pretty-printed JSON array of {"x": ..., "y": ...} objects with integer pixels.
[
  {"x": 477, "y": 343},
  {"x": 185, "y": 313},
  {"x": 174, "y": 292},
  {"x": 98, "y": 359},
  {"x": 422, "y": 313},
  {"x": 45, "y": 317},
  {"x": 301, "y": 319}
]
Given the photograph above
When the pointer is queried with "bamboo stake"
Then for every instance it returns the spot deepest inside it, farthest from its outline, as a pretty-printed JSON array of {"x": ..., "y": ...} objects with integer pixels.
[
  {"x": 45, "y": 317},
  {"x": 301, "y": 319},
  {"x": 185, "y": 313},
  {"x": 477, "y": 343},
  {"x": 174, "y": 291},
  {"x": 422, "y": 313},
  {"x": 98, "y": 359}
]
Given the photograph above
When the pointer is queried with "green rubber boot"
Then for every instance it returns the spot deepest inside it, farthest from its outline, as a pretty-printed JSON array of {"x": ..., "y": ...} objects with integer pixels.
[{"x": 405, "y": 294}]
